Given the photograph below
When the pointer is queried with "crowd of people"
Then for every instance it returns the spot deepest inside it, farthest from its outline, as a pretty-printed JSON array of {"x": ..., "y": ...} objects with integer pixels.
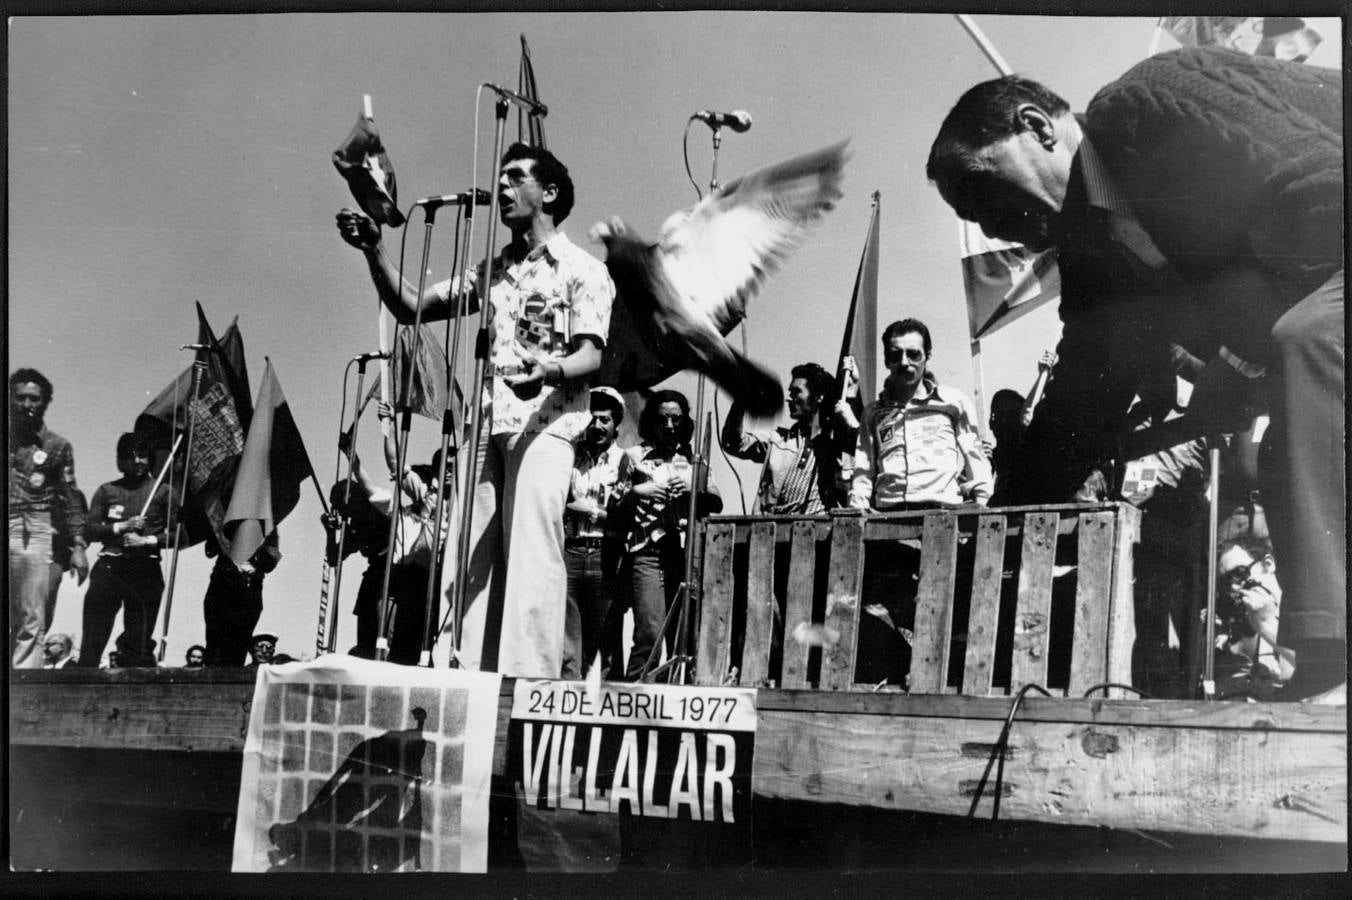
[{"x": 1226, "y": 274}]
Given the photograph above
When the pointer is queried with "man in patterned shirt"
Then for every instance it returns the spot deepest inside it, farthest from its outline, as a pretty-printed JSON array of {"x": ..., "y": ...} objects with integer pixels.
[
  {"x": 41, "y": 488},
  {"x": 591, "y": 544},
  {"x": 548, "y": 317}
]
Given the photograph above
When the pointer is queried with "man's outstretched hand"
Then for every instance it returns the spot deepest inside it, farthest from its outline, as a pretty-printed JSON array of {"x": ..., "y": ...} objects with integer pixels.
[{"x": 357, "y": 228}]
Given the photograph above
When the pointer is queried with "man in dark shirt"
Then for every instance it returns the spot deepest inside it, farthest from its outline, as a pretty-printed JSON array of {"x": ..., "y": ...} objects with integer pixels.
[
  {"x": 130, "y": 517},
  {"x": 1199, "y": 200},
  {"x": 234, "y": 601},
  {"x": 41, "y": 488}
]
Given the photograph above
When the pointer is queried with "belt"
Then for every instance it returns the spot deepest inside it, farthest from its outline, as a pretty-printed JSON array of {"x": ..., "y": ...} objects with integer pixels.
[{"x": 589, "y": 542}]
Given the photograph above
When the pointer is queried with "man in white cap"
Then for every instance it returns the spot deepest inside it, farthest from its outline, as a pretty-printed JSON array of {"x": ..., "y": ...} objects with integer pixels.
[{"x": 591, "y": 547}]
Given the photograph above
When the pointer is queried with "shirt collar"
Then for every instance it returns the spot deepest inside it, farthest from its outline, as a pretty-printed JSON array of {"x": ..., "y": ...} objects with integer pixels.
[
  {"x": 928, "y": 390},
  {"x": 1100, "y": 189}
]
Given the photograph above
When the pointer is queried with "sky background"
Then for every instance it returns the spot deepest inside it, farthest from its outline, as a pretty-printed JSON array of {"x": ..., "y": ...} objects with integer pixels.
[{"x": 157, "y": 161}]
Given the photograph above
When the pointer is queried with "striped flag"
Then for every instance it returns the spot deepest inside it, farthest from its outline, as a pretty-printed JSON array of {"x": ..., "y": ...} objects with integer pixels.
[
  {"x": 861, "y": 325},
  {"x": 1003, "y": 280},
  {"x": 272, "y": 468}
]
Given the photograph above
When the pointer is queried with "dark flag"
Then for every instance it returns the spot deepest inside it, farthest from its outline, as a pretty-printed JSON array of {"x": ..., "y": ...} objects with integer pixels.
[
  {"x": 861, "y": 325},
  {"x": 525, "y": 86},
  {"x": 272, "y": 468},
  {"x": 361, "y": 159},
  {"x": 219, "y": 419}
]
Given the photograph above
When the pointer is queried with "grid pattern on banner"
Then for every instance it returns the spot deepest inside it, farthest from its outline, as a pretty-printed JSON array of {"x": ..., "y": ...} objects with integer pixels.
[{"x": 361, "y": 778}]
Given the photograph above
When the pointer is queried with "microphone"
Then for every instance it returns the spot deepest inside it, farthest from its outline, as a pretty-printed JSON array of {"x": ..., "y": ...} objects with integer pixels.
[
  {"x": 375, "y": 354},
  {"x": 481, "y": 198},
  {"x": 199, "y": 347},
  {"x": 738, "y": 120},
  {"x": 534, "y": 107}
]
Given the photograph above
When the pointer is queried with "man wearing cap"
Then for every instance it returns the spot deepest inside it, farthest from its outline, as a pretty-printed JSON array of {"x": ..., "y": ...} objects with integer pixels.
[
  {"x": 261, "y": 649},
  {"x": 130, "y": 517},
  {"x": 591, "y": 546}
]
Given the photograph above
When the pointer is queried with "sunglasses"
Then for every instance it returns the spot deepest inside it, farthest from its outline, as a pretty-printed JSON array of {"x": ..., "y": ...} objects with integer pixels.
[
  {"x": 910, "y": 353},
  {"x": 517, "y": 177},
  {"x": 1239, "y": 574}
]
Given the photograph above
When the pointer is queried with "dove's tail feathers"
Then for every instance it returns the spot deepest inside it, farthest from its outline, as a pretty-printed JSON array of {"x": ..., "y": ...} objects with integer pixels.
[{"x": 752, "y": 385}]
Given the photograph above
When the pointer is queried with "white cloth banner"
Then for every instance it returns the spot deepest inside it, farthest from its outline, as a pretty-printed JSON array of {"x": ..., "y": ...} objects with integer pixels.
[{"x": 352, "y": 765}]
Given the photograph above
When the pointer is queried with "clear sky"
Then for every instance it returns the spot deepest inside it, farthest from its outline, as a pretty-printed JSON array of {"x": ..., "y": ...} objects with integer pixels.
[{"x": 155, "y": 161}]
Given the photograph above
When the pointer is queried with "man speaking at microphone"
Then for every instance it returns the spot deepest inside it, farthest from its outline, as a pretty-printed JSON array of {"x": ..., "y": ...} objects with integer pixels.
[{"x": 549, "y": 313}]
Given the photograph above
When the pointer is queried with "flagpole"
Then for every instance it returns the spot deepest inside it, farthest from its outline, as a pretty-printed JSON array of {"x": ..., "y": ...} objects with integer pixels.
[
  {"x": 199, "y": 365},
  {"x": 160, "y": 477},
  {"x": 984, "y": 43},
  {"x": 979, "y": 391}
]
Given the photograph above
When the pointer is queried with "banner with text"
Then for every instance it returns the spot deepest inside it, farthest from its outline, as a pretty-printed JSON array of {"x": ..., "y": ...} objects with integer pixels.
[
  {"x": 654, "y": 750},
  {"x": 352, "y": 765}
]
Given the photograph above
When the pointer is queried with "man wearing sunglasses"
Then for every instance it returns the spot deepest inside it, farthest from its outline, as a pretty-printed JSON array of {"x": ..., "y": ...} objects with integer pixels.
[
  {"x": 918, "y": 446},
  {"x": 1247, "y": 577},
  {"x": 549, "y": 315}
]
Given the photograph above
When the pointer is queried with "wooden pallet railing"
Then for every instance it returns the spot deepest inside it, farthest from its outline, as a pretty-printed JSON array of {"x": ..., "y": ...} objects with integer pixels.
[{"x": 966, "y": 557}]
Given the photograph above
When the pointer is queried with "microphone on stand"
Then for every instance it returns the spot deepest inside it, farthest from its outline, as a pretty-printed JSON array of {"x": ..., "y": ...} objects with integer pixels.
[
  {"x": 534, "y": 107},
  {"x": 375, "y": 354},
  {"x": 481, "y": 198},
  {"x": 738, "y": 120}
]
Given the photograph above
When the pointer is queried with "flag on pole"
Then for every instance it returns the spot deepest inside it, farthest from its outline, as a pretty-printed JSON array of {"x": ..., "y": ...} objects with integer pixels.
[
  {"x": 219, "y": 419},
  {"x": 427, "y": 393},
  {"x": 272, "y": 468},
  {"x": 861, "y": 325},
  {"x": 1003, "y": 280},
  {"x": 362, "y": 160},
  {"x": 534, "y": 134}
]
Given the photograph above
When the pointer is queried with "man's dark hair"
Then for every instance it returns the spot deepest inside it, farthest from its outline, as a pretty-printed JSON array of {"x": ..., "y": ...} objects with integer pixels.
[
  {"x": 1007, "y": 398},
  {"x": 31, "y": 376},
  {"x": 985, "y": 114},
  {"x": 603, "y": 401},
  {"x": 820, "y": 383},
  {"x": 647, "y": 420},
  {"x": 547, "y": 170},
  {"x": 189, "y": 651},
  {"x": 907, "y": 326},
  {"x": 131, "y": 442},
  {"x": 1256, "y": 547}
]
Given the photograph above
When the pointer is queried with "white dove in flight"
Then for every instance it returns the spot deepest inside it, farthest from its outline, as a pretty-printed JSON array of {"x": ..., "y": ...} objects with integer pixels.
[{"x": 680, "y": 296}]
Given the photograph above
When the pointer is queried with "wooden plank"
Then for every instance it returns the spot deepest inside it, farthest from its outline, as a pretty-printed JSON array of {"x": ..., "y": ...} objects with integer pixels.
[
  {"x": 1029, "y": 665},
  {"x": 1093, "y": 593},
  {"x": 934, "y": 604},
  {"x": 844, "y": 583},
  {"x": 715, "y": 620},
  {"x": 984, "y": 617},
  {"x": 760, "y": 605},
  {"x": 798, "y": 604},
  {"x": 1122, "y": 608},
  {"x": 1272, "y": 784}
]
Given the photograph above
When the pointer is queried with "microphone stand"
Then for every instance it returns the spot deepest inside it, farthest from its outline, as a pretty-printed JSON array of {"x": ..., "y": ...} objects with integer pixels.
[
  {"x": 449, "y": 448},
  {"x": 198, "y": 367},
  {"x": 481, "y": 346},
  {"x": 401, "y": 442},
  {"x": 328, "y": 619}
]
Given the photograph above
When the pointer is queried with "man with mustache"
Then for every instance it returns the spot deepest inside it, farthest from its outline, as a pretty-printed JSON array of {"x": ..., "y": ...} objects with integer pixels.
[
  {"x": 549, "y": 305},
  {"x": 41, "y": 488}
]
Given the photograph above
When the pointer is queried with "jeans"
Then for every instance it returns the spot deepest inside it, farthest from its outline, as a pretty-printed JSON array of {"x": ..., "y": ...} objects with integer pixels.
[
  {"x": 30, "y": 561},
  {"x": 591, "y": 584},
  {"x": 655, "y": 574}
]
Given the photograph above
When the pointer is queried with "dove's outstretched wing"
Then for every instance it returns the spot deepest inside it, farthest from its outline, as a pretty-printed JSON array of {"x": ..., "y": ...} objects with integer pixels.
[
  {"x": 739, "y": 235},
  {"x": 677, "y": 299}
]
